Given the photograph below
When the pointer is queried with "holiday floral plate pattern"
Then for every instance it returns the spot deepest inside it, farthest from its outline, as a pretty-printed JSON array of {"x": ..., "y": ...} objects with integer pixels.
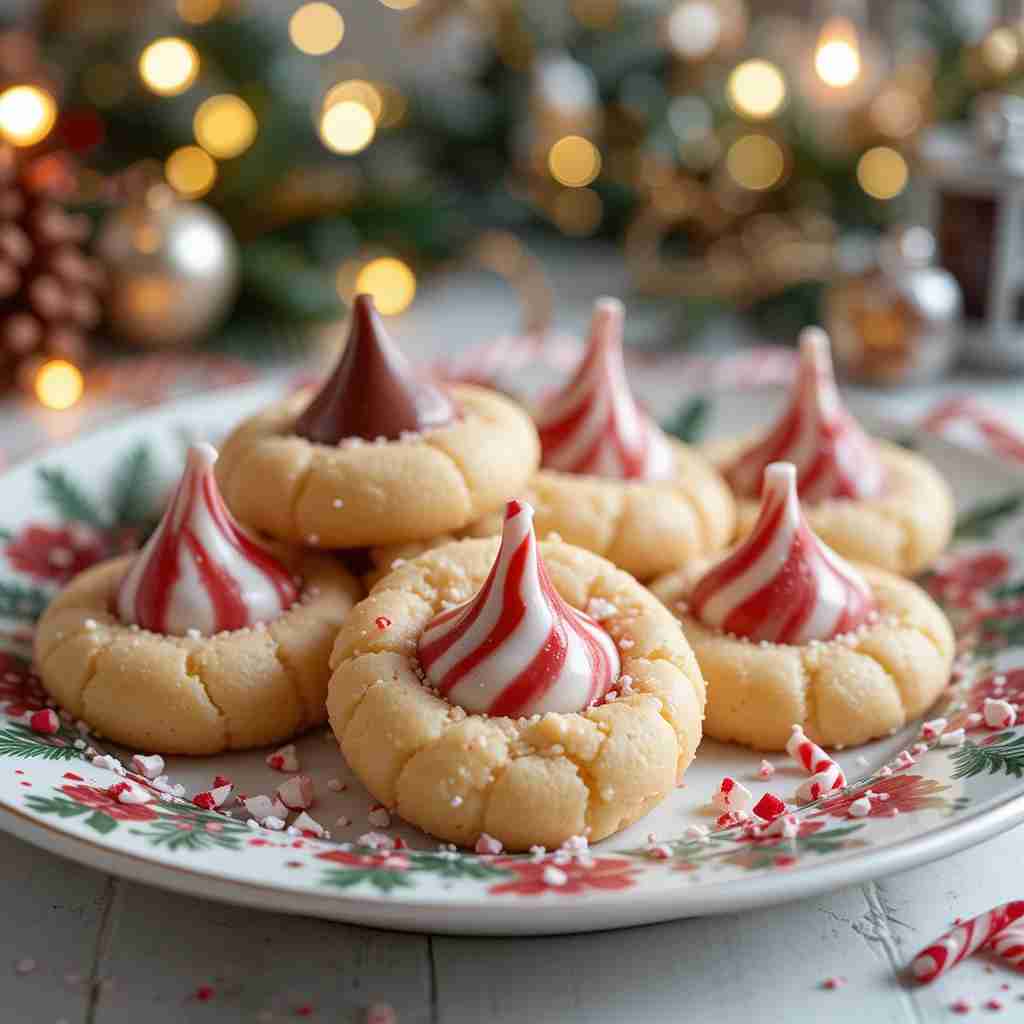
[{"x": 101, "y": 496}]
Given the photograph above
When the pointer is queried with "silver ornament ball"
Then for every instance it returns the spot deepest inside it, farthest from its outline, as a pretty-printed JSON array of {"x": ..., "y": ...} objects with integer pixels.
[{"x": 173, "y": 268}]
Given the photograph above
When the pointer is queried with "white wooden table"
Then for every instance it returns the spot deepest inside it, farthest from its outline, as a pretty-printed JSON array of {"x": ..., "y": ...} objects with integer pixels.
[{"x": 109, "y": 951}]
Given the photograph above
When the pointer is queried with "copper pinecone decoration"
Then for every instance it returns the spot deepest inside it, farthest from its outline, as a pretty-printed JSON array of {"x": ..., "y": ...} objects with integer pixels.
[{"x": 49, "y": 288}]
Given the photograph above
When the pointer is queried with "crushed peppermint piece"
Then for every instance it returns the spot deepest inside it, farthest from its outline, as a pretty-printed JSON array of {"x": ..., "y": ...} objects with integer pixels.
[
  {"x": 211, "y": 799},
  {"x": 829, "y": 778},
  {"x": 933, "y": 729},
  {"x": 45, "y": 722},
  {"x": 381, "y": 1013},
  {"x": 904, "y": 759},
  {"x": 953, "y": 738},
  {"x": 336, "y": 785},
  {"x": 25, "y": 966},
  {"x": 960, "y": 1006},
  {"x": 297, "y": 793},
  {"x": 860, "y": 808},
  {"x": 284, "y": 760},
  {"x": 766, "y": 769},
  {"x": 274, "y": 823},
  {"x": 731, "y": 796},
  {"x": 308, "y": 826},
  {"x": 973, "y": 719},
  {"x": 659, "y": 851},
  {"x": 110, "y": 763},
  {"x": 130, "y": 793},
  {"x": 376, "y": 841},
  {"x": 786, "y": 825},
  {"x": 998, "y": 714},
  {"x": 382, "y": 622},
  {"x": 149, "y": 766},
  {"x": 379, "y": 816},
  {"x": 836, "y": 981},
  {"x": 554, "y": 876},
  {"x": 701, "y": 833},
  {"x": 488, "y": 845},
  {"x": 204, "y": 993},
  {"x": 769, "y": 807},
  {"x": 993, "y": 1004}
]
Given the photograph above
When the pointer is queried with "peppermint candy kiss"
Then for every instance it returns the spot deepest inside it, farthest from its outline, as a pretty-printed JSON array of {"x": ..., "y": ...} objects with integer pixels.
[
  {"x": 517, "y": 648},
  {"x": 200, "y": 570},
  {"x": 833, "y": 456},
  {"x": 593, "y": 425},
  {"x": 782, "y": 584}
]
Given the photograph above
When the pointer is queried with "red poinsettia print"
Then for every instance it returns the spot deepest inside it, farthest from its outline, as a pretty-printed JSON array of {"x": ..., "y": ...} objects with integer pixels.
[
  {"x": 897, "y": 793},
  {"x": 960, "y": 579},
  {"x": 56, "y": 553},
  {"x": 533, "y": 878},
  {"x": 385, "y": 860},
  {"x": 100, "y": 800},
  {"x": 20, "y": 690}
]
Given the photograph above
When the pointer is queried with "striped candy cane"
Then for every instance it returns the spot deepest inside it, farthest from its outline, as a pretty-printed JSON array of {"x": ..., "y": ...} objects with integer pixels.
[
  {"x": 964, "y": 940},
  {"x": 814, "y": 761},
  {"x": 1009, "y": 945},
  {"x": 828, "y": 779}
]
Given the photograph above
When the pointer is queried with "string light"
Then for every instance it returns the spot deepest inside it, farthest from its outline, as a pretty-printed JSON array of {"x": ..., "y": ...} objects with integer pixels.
[
  {"x": 347, "y": 127},
  {"x": 837, "y": 57},
  {"x": 225, "y": 126},
  {"x": 756, "y": 89},
  {"x": 198, "y": 12},
  {"x": 882, "y": 172},
  {"x": 755, "y": 162},
  {"x": 316, "y": 28},
  {"x": 27, "y": 113},
  {"x": 574, "y": 161},
  {"x": 359, "y": 91},
  {"x": 169, "y": 66},
  {"x": 391, "y": 283},
  {"x": 58, "y": 384},
  {"x": 191, "y": 171}
]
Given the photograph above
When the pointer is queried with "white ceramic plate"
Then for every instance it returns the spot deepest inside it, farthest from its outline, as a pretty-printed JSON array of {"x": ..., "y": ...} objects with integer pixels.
[{"x": 82, "y": 502}]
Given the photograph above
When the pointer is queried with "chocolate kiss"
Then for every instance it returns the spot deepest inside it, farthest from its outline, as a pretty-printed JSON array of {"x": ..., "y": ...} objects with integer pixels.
[{"x": 373, "y": 391}]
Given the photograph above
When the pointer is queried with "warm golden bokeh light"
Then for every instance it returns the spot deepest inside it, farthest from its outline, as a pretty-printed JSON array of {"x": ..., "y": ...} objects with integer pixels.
[
  {"x": 58, "y": 384},
  {"x": 191, "y": 171},
  {"x": 756, "y": 89},
  {"x": 359, "y": 91},
  {"x": 577, "y": 211},
  {"x": 169, "y": 66},
  {"x": 198, "y": 12},
  {"x": 391, "y": 283},
  {"x": 595, "y": 14},
  {"x": 882, "y": 172},
  {"x": 225, "y": 126},
  {"x": 897, "y": 112},
  {"x": 837, "y": 57},
  {"x": 574, "y": 161},
  {"x": 756, "y": 162},
  {"x": 694, "y": 29},
  {"x": 316, "y": 28},
  {"x": 400, "y": 5},
  {"x": 347, "y": 127},
  {"x": 1001, "y": 50},
  {"x": 27, "y": 113}
]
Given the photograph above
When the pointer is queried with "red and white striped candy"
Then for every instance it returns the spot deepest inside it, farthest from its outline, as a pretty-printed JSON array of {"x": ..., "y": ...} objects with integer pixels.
[
  {"x": 517, "y": 648},
  {"x": 833, "y": 456},
  {"x": 1008, "y": 945},
  {"x": 732, "y": 796},
  {"x": 200, "y": 570},
  {"x": 809, "y": 755},
  {"x": 964, "y": 940},
  {"x": 593, "y": 425},
  {"x": 45, "y": 722},
  {"x": 829, "y": 778},
  {"x": 782, "y": 584},
  {"x": 998, "y": 714},
  {"x": 297, "y": 794}
]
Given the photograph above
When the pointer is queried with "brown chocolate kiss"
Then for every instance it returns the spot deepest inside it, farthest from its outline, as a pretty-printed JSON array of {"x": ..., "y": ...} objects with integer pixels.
[{"x": 373, "y": 391}]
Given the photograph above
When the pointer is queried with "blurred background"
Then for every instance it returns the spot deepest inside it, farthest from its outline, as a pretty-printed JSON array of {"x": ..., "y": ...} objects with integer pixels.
[{"x": 199, "y": 187}]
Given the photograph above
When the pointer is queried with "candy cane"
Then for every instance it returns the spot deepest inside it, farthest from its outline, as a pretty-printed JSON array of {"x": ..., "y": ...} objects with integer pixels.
[
  {"x": 964, "y": 940},
  {"x": 809, "y": 755},
  {"x": 829, "y": 778},
  {"x": 1009, "y": 945}
]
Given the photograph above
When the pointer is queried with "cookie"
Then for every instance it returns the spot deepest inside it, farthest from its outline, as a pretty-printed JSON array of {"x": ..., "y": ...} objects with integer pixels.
[
  {"x": 552, "y": 767},
  {"x": 787, "y": 632},
  {"x": 378, "y": 456},
  {"x": 869, "y": 500},
  {"x": 208, "y": 640}
]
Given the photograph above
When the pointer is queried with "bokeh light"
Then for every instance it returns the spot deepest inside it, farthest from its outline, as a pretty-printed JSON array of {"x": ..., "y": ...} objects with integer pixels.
[
  {"x": 359, "y": 91},
  {"x": 27, "y": 113},
  {"x": 58, "y": 384},
  {"x": 574, "y": 161},
  {"x": 391, "y": 283},
  {"x": 882, "y": 172},
  {"x": 837, "y": 57},
  {"x": 756, "y": 89},
  {"x": 1001, "y": 50},
  {"x": 400, "y": 5},
  {"x": 347, "y": 127},
  {"x": 191, "y": 171},
  {"x": 755, "y": 162},
  {"x": 897, "y": 112},
  {"x": 225, "y": 126},
  {"x": 316, "y": 28},
  {"x": 198, "y": 12},
  {"x": 694, "y": 29},
  {"x": 169, "y": 66}
]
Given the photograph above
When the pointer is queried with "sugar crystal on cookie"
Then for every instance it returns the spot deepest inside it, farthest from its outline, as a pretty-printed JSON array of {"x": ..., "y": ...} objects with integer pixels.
[
  {"x": 200, "y": 570},
  {"x": 593, "y": 425},
  {"x": 374, "y": 392},
  {"x": 833, "y": 456},
  {"x": 782, "y": 584},
  {"x": 517, "y": 647}
]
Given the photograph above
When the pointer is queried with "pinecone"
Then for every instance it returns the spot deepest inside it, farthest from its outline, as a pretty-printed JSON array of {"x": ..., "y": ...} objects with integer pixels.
[{"x": 49, "y": 287}]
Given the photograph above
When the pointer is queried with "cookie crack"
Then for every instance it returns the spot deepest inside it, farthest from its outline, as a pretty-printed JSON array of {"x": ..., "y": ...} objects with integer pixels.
[
  {"x": 92, "y": 670},
  {"x": 472, "y": 510},
  {"x": 192, "y": 673},
  {"x": 810, "y": 678},
  {"x": 889, "y": 673},
  {"x": 298, "y": 493},
  {"x": 307, "y": 717}
]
